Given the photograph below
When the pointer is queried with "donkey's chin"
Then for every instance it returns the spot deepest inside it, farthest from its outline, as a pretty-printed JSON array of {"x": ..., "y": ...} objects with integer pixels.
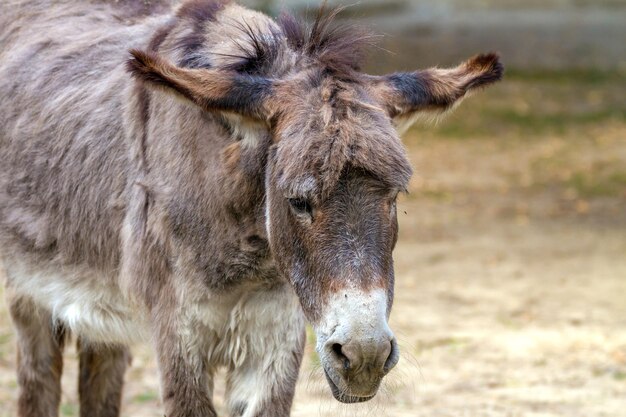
[{"x": 343, "y": 395}]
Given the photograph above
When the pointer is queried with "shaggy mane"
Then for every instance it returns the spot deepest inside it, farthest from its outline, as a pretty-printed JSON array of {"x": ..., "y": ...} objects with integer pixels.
[{"x": 340, "y": 48}]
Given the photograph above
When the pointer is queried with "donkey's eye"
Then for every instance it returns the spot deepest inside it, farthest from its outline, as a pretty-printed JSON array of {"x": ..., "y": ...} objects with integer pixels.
[
  {"x": 392, "y": 203},
  {"x": 301, "y": 206}
]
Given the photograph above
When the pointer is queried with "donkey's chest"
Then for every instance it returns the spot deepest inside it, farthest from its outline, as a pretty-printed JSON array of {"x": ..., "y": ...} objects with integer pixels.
[
  {"x": 230, "y": 263},
  {"x": 224, "y": 243}
]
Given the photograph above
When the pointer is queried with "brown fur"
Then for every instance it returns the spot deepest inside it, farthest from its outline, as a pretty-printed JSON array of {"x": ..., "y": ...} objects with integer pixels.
[
  {"x": 150, "y": 173},
  {"x": 101, "y": 379},
  {"x": 436, "y": 89},
  {"x": 39, "y": 359}
]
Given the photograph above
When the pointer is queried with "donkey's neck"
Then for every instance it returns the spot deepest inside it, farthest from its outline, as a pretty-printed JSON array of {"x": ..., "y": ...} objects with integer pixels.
[
  {"x": 208, "y": 188},
  {"x": 205, "y": 172}
]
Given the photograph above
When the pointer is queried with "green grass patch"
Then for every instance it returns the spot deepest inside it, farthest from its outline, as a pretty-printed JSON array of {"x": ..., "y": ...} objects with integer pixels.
[
  {"x": 311, "y": 341},
  {"x": 146, "y": 397},
  {"x": 570, "y": 76},
  {"x": 315, "y": 360},
  {"x": 68, "y": 409},
  {"x": 530, "y": 103},
  {"x": 507, "y": 121},
  {"x": 619, "y": 375},
  {"x": 556, "y": 122},
  {"x": 431, "y": 194},
  {"x": 593, "y": 185},
  {"x": 452, "y": 343}
]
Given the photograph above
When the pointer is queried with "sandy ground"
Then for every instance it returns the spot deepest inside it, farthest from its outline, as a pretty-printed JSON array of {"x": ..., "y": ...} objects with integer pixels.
[{"x": 511, "y": 270}]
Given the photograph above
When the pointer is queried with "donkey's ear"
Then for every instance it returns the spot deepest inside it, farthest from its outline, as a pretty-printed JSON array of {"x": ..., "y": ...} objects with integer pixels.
[
  {"x": 213, "y": 90},
  {"x": 407, "y": 95}
]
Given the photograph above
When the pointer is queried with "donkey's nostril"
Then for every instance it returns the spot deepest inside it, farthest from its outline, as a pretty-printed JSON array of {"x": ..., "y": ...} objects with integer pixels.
[
  {"x": 341, "y": 357},
  {"x": 393, "y": 358}
]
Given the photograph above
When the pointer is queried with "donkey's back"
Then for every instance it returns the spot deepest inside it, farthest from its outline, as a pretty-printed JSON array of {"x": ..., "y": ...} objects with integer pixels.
[{"x": 63, "y": 167}]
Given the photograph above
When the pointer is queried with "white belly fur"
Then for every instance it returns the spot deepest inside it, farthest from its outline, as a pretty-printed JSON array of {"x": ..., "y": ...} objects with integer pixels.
[
  {"x": 231, "y": 326},
  {"x": 91, "y": 306}
]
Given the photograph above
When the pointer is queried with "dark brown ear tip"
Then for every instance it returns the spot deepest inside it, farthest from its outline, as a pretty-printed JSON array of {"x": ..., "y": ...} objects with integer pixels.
[
  {"x": 139, "y": 55},
  {"x": 134, "y": 67},
  {"x": 488, "y": 65},
  {"x": 136, "y": 63},
  {"x": 140, "y": 62},
  {"x": 498, "y": 70},
  {"x": 483, "y": 62}
]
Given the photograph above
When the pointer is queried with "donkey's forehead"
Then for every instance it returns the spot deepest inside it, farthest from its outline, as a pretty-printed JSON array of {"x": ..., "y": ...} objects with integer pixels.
[{"x": 323, "y": 134}]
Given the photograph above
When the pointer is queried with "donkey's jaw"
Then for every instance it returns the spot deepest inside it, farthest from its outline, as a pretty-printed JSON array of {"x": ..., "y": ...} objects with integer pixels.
[
  {"x": 342, "y": 396},
  {"x": 356, "y": 346}
]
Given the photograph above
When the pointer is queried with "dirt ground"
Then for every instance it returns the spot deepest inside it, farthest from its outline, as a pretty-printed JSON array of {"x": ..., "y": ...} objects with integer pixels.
[{"x": 511, "y": 267}]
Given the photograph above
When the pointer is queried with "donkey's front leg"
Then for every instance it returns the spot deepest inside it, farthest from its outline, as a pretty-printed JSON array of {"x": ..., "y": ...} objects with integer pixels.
[
  {"x": 181, "y": 355},
  {"x": 273, "y": 336},
  {"x": 39, "y": 358},
  {"x": 101, "y": 378}
]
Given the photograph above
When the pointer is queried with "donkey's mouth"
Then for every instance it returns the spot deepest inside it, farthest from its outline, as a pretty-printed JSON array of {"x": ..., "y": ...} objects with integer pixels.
[{"x": 342, "y": 396}]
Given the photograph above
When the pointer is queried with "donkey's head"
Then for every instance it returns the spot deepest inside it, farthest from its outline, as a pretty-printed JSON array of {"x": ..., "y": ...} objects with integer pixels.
[{"x": 335, "y": 165}]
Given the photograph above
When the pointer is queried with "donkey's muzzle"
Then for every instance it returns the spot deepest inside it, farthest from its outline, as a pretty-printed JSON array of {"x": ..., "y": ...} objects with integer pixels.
[
  {"x": 356, "y": 346},
  {"x": 355, "y": 369}
]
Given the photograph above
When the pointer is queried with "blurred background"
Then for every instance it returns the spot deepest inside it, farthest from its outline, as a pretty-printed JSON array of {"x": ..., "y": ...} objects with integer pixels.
[{"x": 511, "y": 266}]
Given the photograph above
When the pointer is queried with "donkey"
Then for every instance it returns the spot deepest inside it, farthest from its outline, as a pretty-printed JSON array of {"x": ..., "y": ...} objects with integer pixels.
[{"x": 204, "y": 178}]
